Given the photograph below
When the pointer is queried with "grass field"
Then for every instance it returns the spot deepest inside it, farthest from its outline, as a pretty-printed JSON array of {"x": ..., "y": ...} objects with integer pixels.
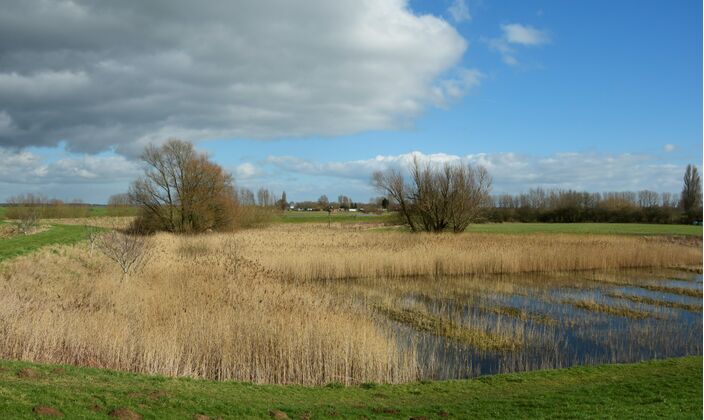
[
  {"x": 322, "y": 217},
  {"x": 669, "y": 388},
  {"x": 57, "y": 234},
  {"x": 588, "y": 228}
]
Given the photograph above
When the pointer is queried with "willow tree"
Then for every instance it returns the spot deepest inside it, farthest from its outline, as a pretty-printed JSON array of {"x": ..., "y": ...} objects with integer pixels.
[
  {"x": 183, "y": 191},
  {"x": 437, "y": 198}
]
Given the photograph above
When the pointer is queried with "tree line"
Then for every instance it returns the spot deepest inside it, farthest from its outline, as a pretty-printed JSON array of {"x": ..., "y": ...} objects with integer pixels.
[
  {"x": 183, "y": 191},
  {"x": 569, "y": 206}
]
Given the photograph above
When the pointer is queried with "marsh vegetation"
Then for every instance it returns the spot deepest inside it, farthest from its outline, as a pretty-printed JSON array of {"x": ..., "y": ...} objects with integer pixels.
[{"x": 315, "y": 305}]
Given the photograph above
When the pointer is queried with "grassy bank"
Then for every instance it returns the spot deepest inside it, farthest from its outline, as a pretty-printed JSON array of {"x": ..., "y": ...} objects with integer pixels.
[
  {"x": 56, "y": 234},
  {"x": 669, "y": 388}
]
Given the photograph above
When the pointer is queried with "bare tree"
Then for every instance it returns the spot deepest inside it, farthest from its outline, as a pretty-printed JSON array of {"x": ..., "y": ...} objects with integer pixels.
[
  {"x": 265, "y": 198},
  {"x": 393, "y": 185},
  {"x": 128, "y": 251},
  {"x": 344, "y": 202},
  {"x": 183, "y": 191},
  {"x": 92, "y": 235},
  {"x": 437, "y": 198},
  {"x": 647, "y": 198},
  {"x": 26, "y": 210},
  {"x": 119, "y": 205},
  {"x": 246, "y": 197},
  {"x": 324, "y": 202}
]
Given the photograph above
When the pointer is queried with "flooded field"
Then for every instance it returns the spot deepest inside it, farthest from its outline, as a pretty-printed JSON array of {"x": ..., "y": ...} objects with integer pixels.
[{"x": 461, "y": 327}]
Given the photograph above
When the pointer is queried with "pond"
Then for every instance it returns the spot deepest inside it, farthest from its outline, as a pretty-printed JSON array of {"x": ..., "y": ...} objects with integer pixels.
[{"x": 481, "y": 325}]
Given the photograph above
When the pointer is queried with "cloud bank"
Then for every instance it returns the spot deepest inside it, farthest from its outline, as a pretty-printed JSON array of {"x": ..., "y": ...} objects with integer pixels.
[
  {"x": 118, "y": 75},
  {"x": 95, "y": 177}
]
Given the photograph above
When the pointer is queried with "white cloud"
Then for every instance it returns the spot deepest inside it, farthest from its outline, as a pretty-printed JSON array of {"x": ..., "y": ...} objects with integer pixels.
[
  {"x": 95, "y": 177},
  {"x": 121, "y": 74},
  {"x": 459, "y": 11},
  {"x": 669, "y": 148},
  {"x": 25, "y": 168},
  {"x": 512, "y": 172},
  {"x": 516, "y": 34}
]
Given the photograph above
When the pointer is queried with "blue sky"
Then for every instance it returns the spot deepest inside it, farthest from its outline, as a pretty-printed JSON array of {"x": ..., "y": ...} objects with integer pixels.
[{"x": 594, "y": 94}]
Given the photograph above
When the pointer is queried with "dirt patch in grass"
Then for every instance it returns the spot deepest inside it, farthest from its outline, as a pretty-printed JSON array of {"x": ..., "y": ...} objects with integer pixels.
[
  {"x": 28, "y": 373},
  {"x": 45, "y": 410},
  {"x": 124, "y": 413},
  {"x": 278, "y": 414}
]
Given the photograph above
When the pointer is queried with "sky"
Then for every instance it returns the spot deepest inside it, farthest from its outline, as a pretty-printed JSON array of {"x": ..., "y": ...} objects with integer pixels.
[{"x": 310, "y": 97}]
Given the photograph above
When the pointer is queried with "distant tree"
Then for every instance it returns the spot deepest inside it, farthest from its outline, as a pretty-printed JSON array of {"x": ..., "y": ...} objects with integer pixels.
[
  {"x": 384, "y": 203},
  {"x": 246, "y": 197},
  {"x": 692, "y": 193},
  {"x": 119, "y": 205},
  {"x": 26, "y": 210},
  {"x": 182, "y": 191},
  {"x": 263, "y": 197},
  {"x": 647, "y": 198},
  {"x": 323, "y": 202},
  {"x": 344, "y": 202},
  {"x": 283, "y": 202}
]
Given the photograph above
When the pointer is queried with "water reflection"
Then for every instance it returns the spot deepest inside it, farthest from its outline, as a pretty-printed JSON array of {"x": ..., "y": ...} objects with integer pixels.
[{"x": 561, "y": 320}]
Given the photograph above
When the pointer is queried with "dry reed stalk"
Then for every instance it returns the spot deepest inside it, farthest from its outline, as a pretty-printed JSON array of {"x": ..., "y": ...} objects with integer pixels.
[
  {"x": 212, "y": 315},
  {"x": 301, "y": 254}
]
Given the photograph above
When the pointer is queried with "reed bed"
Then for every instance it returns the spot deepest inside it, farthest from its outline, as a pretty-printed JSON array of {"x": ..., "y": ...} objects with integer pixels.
[
  {"x": 308, "y": 304},
  {"x": 303, "y": 254},
  {"x": 197, "y": 309}
]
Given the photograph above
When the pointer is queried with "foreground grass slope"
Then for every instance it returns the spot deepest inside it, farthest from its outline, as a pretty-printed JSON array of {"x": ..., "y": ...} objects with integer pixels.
[{"x": 668, "y": 388}]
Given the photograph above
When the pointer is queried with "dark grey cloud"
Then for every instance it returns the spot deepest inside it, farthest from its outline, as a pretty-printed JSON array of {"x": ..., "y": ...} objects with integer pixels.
[{"x": 120, "y": 74}]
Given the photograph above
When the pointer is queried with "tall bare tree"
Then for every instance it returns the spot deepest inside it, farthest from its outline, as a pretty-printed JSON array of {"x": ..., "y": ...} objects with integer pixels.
[
  {"x": 182, "y": 190},
  {"x": 692, "y": 192},
  {"x": 437, "y": 198}
]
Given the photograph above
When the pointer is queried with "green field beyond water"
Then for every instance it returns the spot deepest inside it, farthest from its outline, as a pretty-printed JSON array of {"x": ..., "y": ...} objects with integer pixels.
[
  {"x": 669, "y": 388},
  {"x": 590, "y": 228}
]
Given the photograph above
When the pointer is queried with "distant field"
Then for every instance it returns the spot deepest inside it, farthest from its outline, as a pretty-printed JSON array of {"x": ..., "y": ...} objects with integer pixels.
[
  {"x": 589, "y": 228},
  {"x": 57, "y": 234},
  {"x": 94, "y": 211},
  {"x": 668, "y": 388},
  {"x": 322, "y": 217}
]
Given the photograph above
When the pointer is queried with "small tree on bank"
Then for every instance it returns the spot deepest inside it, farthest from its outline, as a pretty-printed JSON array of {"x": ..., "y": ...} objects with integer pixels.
[
  {"x": 436, "y": 199},
  {"x": 182, "y": 191},
  {"x": 128, "y": 251}
]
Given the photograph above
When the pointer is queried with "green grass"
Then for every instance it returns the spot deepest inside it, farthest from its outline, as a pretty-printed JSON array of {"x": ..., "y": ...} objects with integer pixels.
[
  {"x": 94, "y": 211},
  {"x": 322, "y": 217},
  {"x": 668, "y": 388},
  {"x": 57, "y": 234},
  {"x": 588, "y": 228}
]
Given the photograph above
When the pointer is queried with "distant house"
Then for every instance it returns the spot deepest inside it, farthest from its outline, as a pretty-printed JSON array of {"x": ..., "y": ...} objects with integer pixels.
[{"x": 352, "y": 209}]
